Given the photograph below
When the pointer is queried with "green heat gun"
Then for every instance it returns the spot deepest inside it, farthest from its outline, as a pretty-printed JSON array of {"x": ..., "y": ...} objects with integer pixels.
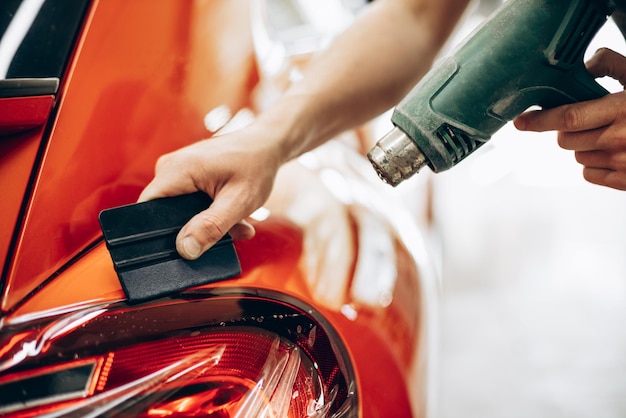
[{"x": 528, "y": 52}]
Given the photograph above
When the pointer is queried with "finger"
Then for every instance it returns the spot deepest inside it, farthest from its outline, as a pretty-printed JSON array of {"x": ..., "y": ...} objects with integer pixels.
[
  {"x": 151, "y": 191},
  {"x": 602, "y": 159},
  {"x": 172, "y": 177},
  {"x": 606, "y": 62},
  {"x": 579, "y": 141},
  {"x": 593, "y": 159},
  {"x": 574, "y": 117},
  {"x": 242, "y": 230},
  {"x": 605, "y": 177},
  {"x": 611, "y": 138},
  {"x": 158, "y": 188},
  {"x": 209, "y": 226}
]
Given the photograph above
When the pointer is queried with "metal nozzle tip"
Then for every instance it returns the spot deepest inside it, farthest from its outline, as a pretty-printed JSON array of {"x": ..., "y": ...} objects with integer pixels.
[{"x": 395, "y": 157}]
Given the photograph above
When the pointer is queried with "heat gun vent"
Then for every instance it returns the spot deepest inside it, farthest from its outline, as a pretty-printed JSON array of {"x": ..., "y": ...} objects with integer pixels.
[
  {"x": 575, "y": 37},
  {"x": 458, "y": 143}
]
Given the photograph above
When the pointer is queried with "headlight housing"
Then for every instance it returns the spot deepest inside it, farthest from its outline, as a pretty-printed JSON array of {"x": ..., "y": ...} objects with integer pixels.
[{"x": 236, "y": 353}]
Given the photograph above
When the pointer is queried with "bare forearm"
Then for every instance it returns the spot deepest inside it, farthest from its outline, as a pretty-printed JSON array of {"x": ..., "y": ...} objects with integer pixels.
[{"x": 368, "y": 69}]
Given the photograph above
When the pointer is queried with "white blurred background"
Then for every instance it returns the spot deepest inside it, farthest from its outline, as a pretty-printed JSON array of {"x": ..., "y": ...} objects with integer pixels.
[{"x": 533, "y": 263}]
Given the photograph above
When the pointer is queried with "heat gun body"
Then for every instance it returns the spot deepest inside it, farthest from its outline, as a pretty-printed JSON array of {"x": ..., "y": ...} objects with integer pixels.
[{"x": 529, "y": 52}]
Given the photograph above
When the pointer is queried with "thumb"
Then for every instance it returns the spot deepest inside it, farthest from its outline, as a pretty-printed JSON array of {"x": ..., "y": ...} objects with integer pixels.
[
  {"x": 606, "y": 62},
  {"x": 209, "y": 226}
]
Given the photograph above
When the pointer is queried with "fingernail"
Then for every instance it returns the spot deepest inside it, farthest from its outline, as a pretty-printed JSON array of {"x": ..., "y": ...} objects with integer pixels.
[{"x": 191, "y": 247}]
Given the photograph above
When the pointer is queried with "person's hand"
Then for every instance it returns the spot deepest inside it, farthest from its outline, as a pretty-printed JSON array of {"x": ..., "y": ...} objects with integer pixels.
[
  {"x": 237, "y": 170},
  {"x": 595, "y": 129}
]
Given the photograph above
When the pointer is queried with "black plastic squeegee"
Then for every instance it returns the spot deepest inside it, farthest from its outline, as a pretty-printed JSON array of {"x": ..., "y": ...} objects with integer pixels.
[{"x": 141, "y": 239}]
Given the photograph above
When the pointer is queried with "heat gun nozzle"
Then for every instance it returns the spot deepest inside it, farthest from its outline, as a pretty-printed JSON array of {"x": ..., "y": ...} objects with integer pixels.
[{"x": 395, "y": 157}]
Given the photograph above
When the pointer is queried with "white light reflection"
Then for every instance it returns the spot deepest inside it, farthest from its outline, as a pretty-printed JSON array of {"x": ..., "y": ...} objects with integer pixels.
[
  {"x": 336, "y": 183},
  {"x": 374, "y": 278},
  {"x": 242, "y": 118},
  {"x": 260, "y": 214},
  {"x": 50, "y": 333},
  {"x": 217, "y": 118},
  {"x": 270, "y": 54},
  {"x": 349, "y": 312},
  {"x": 375, "y": 275},
  {"x": 326, "y": 16},
  {"x": 309, "y": 160},
  {"x": 16, "y": 31}
]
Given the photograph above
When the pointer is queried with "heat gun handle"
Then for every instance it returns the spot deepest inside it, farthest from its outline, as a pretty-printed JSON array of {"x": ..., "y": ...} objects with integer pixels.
[
  {"x": 561, "y": 87},
  {"x": 583, "y": 87}
]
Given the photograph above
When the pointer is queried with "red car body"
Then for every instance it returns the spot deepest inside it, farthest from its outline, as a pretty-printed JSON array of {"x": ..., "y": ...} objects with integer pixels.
[{"x": 334, "y": 270}]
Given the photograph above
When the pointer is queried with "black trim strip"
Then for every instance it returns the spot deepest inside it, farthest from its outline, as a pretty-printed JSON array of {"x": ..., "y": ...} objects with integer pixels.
[
  {"x": 24, "y": 87},
  {"x": 57, "y": 385}
]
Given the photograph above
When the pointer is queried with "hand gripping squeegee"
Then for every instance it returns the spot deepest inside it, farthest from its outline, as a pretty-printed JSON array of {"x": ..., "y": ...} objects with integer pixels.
[{"x": 141, "y": 239}]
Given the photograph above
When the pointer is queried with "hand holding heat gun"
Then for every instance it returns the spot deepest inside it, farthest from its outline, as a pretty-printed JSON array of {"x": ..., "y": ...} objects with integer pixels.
[{"x": 528, "y": 52}]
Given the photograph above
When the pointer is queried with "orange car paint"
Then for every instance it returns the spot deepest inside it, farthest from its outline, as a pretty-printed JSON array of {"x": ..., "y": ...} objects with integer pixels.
[
  {"x": 116, "y": 115},
  {"x": 114, "y": 92},
  {"x": 21, "y": 124}
]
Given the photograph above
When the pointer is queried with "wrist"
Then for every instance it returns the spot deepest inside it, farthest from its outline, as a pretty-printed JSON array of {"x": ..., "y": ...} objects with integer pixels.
[{"x": 287, "y": 127}]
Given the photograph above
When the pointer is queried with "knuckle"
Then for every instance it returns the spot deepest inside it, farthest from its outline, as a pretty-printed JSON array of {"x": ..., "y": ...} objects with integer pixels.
[
  {"x": 616, "y": 180},
  {"x": 163, "y": 161},
  {"x": 573, "y": 118},
  {"x": 618, "y": 161},
  {"x": 602, "y": 52},
  {"x": 611, "y": 140},
  {"x": 564, "y": 140},
  {"x": 594, "y": 176},
  {"x": 580, "y": 157},
  {"x": 213, "y": 227}
]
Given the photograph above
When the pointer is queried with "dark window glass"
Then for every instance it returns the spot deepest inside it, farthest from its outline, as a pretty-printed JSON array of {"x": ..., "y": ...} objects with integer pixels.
[{"x": 37, "y": 36}]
